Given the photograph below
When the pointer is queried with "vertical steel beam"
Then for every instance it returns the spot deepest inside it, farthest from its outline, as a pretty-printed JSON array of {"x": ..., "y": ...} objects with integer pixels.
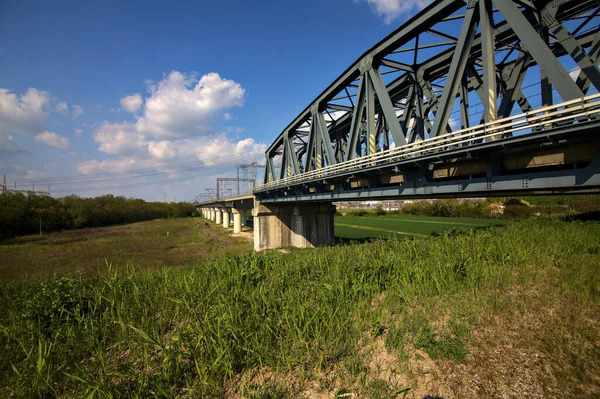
[
  {"x": 539, "y": 50},
  {"x": 387, "y": 107},
  {"x": 488, "y": 56},
  {"x": 318, "y": 141},
  {"x": 356, "y": 119},
  {"x": 513, "y": 78},
  {"x": 457, "y": 68},
  {"x": 310, "y": 148},
  {"x": 370, "y": 115},
  {"x": 285, "y": 160},
  {"x": 464, "y": 103},
  {"x": 327, "y": 147},
  {"x": 409, "y": 107},
  {"x": 293, "y": 160},
  {"x": 268, "y": 168}
]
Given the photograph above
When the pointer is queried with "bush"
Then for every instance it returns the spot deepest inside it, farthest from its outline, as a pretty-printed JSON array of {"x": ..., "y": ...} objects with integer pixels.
[
  {"x": 357, "y": 213},
  {"x": 379, "y": 211},
  {"x": 518, "y": 212}
]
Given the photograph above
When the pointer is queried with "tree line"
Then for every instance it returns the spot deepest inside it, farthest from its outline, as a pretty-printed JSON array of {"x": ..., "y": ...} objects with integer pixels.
[{"x": 20, "y": 213}]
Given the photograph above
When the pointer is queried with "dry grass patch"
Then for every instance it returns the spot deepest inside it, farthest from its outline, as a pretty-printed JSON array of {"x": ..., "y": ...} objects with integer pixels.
[{"x": 147, "y": 245}]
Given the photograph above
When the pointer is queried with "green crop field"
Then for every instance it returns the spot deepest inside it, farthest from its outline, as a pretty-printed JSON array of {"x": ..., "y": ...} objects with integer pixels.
[{"x": 398, "y": 226}]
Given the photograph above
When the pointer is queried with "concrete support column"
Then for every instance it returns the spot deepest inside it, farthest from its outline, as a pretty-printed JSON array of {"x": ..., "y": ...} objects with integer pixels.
[
  {"x": 212, "y": 214},
  {"x": 303, "y": 226},
  {"x": 218, "y": 216},
  {"x": 237, "y": 221},
  {"x": 226, "y": 218}
]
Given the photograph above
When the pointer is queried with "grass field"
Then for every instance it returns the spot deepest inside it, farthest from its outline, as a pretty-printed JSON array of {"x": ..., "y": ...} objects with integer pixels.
[
  {"x": 398, "y": 226},
  {"x": 147, "y": 245},
  {"x": 505, "y": 312}
]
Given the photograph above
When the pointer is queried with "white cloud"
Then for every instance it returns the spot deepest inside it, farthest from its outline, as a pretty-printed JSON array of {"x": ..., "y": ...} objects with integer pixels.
[
  {"x": 392, "y": 9},
  {"x": 146, "y": 153},
  {"x": 52, "y": 139},
  {"x": 78, "y": 132},
  {"x": 36, "y": 174},
  {"x": 119, "y": 139},
  {"x": 24, "y": 114},
  {"x": 9, "y": 147},
  {"x": 62, "y": 107},
  {"x": 173, "y": 125},
  {"x": 182, "y": 106},
  {"x": 77, "y": 110},
  {"x": 132, "y": 103}
]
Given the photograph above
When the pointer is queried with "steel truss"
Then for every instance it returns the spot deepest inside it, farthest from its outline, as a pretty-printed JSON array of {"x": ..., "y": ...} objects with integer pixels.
[{"x": 424, "y": 81}]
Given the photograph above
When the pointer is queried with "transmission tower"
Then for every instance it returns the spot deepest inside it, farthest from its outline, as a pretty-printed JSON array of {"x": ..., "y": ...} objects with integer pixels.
[{"x": 249, "y": 174}]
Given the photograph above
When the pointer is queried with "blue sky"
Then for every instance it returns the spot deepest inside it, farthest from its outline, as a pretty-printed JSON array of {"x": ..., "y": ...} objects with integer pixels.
[{"x": 89, "y": 88}]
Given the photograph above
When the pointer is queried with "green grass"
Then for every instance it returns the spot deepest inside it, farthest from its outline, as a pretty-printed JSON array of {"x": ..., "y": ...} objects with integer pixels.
[
  {"x": 272, "y": 324},
  {"x": 147, "y": 245},
  {"x": 399, "y": 226}
]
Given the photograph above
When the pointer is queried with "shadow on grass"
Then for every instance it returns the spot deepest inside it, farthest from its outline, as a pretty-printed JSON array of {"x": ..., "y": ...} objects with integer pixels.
[
  {"x": 350, "y": 241},
  {"x": 593, "y": 216},
  {"x": 451, "y": 232}
]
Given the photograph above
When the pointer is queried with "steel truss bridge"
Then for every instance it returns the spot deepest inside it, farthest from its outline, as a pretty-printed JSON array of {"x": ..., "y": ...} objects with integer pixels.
[{"x": 467, "y": 98}]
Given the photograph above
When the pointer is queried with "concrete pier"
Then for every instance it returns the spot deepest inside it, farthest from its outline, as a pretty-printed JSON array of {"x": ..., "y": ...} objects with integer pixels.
[
  {"x": 303, "y": 226},
  {"x": 226, "y": 218},
  {"x": 218, "y": 216},
  {"x": 237, "y": 221}
]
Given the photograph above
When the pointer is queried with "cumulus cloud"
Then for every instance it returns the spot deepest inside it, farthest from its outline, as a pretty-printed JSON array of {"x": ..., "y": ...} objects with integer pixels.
[
  {"x": 77, "y": 110},
  {"x": 23, "y": 114},
  {"x": 124, "y": 141},
  {"x": 52, "y": 139},
  {"x": 392, "y": 9},
  {"x": 9, "y": 147},
  {"x": 132, "y": 103},
  {"x": 173, "y": 124},
  {"x": 78, "y": 131},
  {"x": 182, "y": 106},
  {"x": 62, "y": 107},
  {"x": 119, "y": 139}
]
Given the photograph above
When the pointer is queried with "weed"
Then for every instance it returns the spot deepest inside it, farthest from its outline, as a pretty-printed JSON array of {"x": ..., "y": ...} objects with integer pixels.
[{"x": 190, "y": 331}]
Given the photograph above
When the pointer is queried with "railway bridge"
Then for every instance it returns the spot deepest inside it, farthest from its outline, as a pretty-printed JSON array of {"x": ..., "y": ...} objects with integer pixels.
[{"x": 469, "y": 98}]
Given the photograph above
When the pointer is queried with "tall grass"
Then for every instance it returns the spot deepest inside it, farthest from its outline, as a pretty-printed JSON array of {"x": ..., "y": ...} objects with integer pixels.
[{"x": 188, "y": 331}]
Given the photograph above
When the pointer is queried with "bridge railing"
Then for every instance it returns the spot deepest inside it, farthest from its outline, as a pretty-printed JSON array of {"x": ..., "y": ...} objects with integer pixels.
[{"x": 546, "y": 118}]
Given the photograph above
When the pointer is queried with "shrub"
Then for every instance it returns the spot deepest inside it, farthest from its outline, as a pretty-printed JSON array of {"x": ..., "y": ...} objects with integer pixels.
[
  {"x": 518, "y": 212},
  {"x": 379, "y": 211}
]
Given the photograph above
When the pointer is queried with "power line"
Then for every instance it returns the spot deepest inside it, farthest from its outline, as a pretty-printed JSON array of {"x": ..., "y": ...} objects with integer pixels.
[{"x": 139, "y": 173}]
